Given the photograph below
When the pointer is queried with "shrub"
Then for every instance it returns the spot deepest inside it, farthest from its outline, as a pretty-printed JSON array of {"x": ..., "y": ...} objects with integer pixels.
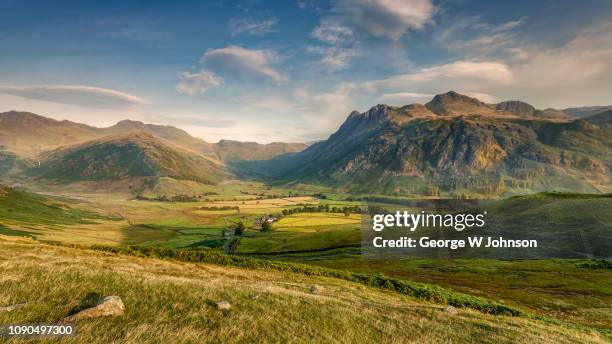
[{"x": 427, "y": 292}]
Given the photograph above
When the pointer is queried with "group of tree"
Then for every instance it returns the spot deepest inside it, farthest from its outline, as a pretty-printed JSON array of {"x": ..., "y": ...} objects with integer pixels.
[{"x": 323, "y": 208}]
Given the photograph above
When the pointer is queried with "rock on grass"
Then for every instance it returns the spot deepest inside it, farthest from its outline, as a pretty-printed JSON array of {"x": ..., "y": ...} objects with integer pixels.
[
  {"x": 315, "y": 289},
  {"x": 9, "y": 308},
  {"x": 109, "y": 306},
  {"x": 223, "y": 305}
]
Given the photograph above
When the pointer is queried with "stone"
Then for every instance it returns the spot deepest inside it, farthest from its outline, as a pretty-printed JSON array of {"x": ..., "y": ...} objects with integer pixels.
[
  {"x": 10, "y": 308},
  {"x": 450, "y": 310},
  {"x": 223, "y": 305},
  {"x": 109, "y": 306},
  {"x": 315, "y": 289}
]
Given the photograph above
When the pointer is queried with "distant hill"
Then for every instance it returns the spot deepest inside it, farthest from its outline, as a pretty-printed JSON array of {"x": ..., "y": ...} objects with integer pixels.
[
  {"x": 230, "y": 151},
  {"x": 126, "y": 156},
  {"x": 28, "y": 135},
  {"x": 586, "y": 111},
  {"x": 574, "y": 112},
  {"x": 517, "y": 107},
  {"x": 391, "y": 150},
  {"x": 36, "y": 146},
  {"x": 604, "y": 118}
]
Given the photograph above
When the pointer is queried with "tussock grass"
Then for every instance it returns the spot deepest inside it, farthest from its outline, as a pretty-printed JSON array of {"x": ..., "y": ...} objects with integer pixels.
[
  {"x": 420, "y": 291},
  {"x": 169, "y": 301}
]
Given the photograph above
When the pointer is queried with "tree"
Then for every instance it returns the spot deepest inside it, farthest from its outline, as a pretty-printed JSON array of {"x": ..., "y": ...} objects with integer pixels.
[
  {"x": 239, "y": 228},
  {"x": 266, "y": 226}
]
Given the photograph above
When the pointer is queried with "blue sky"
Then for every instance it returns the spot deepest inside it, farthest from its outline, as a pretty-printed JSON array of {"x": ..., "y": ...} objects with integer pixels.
[{"x": 293, "y": 70}]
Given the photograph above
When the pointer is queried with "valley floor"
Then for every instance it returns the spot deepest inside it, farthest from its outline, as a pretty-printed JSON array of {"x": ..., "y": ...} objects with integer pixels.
[{"x": 173, "y": 302}]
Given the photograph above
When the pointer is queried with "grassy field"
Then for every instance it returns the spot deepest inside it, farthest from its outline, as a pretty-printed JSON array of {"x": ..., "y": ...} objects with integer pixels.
[
  {"x": 564, "y": 289},
  {"x": 170, "y": 301},
  {"x": 561, "y": 289}
]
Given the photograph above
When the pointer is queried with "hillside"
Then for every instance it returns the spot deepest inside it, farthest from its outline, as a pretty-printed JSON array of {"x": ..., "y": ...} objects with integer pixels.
[
  {"x": 229, "y": 150},
  {"x": 30, "y": 135},
  {"x": 27, "y": 135},
  {"x": 127, "y": 156},
  {"x": 19, "y": 208},
  {"x": 168, "y": 301},
  {"x": 391, "y": 150},
  {"x": 601, "y": 119}
]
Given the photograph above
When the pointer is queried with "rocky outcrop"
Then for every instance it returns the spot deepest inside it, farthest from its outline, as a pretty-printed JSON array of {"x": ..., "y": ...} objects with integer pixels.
[{"x": 518, "y": 107}]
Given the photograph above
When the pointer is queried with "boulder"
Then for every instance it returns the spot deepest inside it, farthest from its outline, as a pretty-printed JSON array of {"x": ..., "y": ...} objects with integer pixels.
[
  {"x": 315, "y": 289},
  {"x": 109, "y": 306},
  {"x": 13, "y": 307},
  {"x": 223, "y": 305},
  {"x": 450, "y": 310}
]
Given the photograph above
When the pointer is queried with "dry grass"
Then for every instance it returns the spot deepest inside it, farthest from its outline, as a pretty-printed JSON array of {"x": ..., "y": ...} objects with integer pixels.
[{"x": 171, "y": 302}]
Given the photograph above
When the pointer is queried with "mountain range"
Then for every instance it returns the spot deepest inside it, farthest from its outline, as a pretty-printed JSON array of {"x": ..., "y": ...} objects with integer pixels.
[
  {"x": 454, "y": 145},
  {"x": 40, "y": 148}
]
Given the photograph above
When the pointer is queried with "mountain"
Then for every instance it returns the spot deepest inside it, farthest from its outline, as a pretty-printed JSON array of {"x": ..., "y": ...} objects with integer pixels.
[
  {"x": 453, "y": 103},
  {"x": 389, "y": 150},
  {"x": 586, "y": 111},
  {"x": 230, "y": 151},
  {"x": 574, "y": 112},
  {"x": 604, "y": 118},
  {"x": 27, "y": 135},
  {"x": 517, "y": 107},
  {"x": 127, "y": 156},
  {"x": 63, "y": 151},
  {"x": 169, "y": 133}
]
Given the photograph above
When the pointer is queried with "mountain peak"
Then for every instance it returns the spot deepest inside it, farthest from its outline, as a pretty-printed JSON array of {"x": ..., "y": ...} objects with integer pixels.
[
  {"x": 516, "y": 106},
  {"x": 129, "y": 124},
  {"x": 453, "y": 104}
]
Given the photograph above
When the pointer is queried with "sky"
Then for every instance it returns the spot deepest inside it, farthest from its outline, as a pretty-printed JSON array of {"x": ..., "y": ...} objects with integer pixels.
[{"x": 292, "y": 71}]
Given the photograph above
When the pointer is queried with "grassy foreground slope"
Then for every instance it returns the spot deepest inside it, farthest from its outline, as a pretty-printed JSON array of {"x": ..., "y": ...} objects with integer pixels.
[{"x": 174, "y": 302}]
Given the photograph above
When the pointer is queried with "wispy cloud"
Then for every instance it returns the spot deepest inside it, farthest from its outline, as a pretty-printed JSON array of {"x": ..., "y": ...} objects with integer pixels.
[
  {"x": 474, "y": 37},
  {"x": 334, "y": 57},
  {"x": 244, "y": 63},
  {"x": 332, "y": 33},
  {"x": 459, "y": 75},
  {"x": 197, "y": 83},
  {"x": 403, "y": 98},
  {"x": 338, "y": 45},
  {"x": 203, "y": 121},
  {"x": 239, "y": 26},
  {"x": 79, "y": 95},
  {"x": 382, "y": 18}
]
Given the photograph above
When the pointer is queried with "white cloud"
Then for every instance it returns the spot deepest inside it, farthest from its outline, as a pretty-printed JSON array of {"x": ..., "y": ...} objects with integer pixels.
[
  {"x": 460, "y": 75},
  {"x": 79, "y": 95},
  {"x": 338, "y": 47},
  {"x": 334, "y": 57},
  {"x": 403, "y": 98},
  {"x": 576, "y": 73},
  {"x": 197, "y": 83},
  {"x": 244, "y": 63},
  {"x": 573, "y": 74},
  {"x": 474, "y": 37},
  {"x": 343, "y": 28},
  {"x": 270, "y": 103},
  {"x": 247, "y": 26},
  {"x": 383, "y": 18},
  {"x": 192, "y": 120},
  {"x": 332, "y": 33}
]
